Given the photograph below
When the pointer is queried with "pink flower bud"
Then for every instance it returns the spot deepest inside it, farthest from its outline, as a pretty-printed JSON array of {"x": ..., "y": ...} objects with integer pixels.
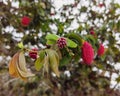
[
  {"x": 87, "y": 53},
  {"x": 92, "y": 32},
  {"x": 33, "y": 53},
  {"x": 61, "y": 42},
  {"x": 101, "y": 50}
]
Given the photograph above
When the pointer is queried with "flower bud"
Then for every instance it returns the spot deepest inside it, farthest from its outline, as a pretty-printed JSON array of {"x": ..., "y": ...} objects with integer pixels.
[
  {"x": 87, "y": 53},
  {"x": 61, "y": 42},
  {"x": 33, "y": 53},
  {"x": 92, "y": 32},
  {"x": 25, "y": 21},
  {"x": 101, "y": 50}
]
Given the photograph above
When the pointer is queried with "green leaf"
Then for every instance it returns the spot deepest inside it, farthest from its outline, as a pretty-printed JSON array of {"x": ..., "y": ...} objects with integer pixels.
[
  {"x": 91, "y": 39},
  {"x": 40, "y": 61},
  {"x": 54, "y": 61},
  {"x": 65, "y": 60},
  {"x": 52, "y": 37},
  {"x": 75, "y": 37},
  {"x": 71, "y": 44},
  {"x": 38, "y": 64},
  {"x": 51, "y": 42},
  {"x": 20, "y": 45}
]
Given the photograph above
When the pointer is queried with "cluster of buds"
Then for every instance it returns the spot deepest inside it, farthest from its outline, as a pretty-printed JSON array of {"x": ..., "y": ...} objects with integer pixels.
[
  {"x": 61, "y": 42},
  {"x": 33, "y": 53}
]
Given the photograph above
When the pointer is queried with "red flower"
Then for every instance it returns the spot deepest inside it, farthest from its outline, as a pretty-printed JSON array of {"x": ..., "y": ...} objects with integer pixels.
[
  {"x": 87, "y": 53},
  {"x": 61, "y": 42},
  {"x": 25, "y": 21},
  {"x": 92, "y": 32},
  {"x": 33, "y": 53},
  {"x": 101, "y": 50}
]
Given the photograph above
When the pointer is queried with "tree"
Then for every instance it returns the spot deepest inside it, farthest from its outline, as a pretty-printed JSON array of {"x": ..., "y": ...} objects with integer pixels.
[{"x": 62, "y": 59}]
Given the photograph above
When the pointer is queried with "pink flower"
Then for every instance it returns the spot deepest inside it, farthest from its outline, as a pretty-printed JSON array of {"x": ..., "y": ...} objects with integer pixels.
[
  {"x": 87, "y": 53},
  {"x": 92, "y": 32},
  {"x": 61, "y": 42},
  {"x": 33, "y": 53},
  {"x": 101, "y": 50},
  {"x": 25, "y": 21}
]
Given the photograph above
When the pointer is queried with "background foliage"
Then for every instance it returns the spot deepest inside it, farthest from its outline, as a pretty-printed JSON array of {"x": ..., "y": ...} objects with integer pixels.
[{"x": 84, "y": 80}]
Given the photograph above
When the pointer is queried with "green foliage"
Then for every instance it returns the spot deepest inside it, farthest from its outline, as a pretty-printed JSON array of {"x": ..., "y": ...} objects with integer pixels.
[
  {"x": 20, "y": 45},
  {"x": 75, "y": 37},
  {"x": 40, "y": 61},
  {"x": 51, "y": 39},
  {"x": 71, "y": 44}
]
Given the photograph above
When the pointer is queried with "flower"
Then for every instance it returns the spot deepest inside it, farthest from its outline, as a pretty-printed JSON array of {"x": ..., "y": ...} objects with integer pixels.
[
  {"x": 61, "y": 42},
  {"x": 101, "y": 50},
  {"x": 87, "y": 53},
  {"x": 25, "y": 21},
  {"x": 33, "y": 53},
  {"x": 92, "y": 32}
]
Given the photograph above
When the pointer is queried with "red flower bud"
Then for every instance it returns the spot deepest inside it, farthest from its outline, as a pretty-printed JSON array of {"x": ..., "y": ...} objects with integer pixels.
[
  {"x": 25, "y": 21},
  {"x": 33, "y": 53},
  {"x": 61, "y": 42},
  {"x": 87, "y": 53},
  {"x": 92, "y": 32},
  {"x": 101, "y": 50}
]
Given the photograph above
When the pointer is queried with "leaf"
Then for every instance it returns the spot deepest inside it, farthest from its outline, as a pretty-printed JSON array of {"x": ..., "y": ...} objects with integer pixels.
[
  {"x": 12, "y": 68},
  {"x": 17, "y": 66},
  {"x": 22, "y": 62},
  {"x": 51, "y": 42},
  {"x": 91, "y": 39},
  {"x": 75, "y": 37},
  {"x": 65, "y": 60},
  {"x": 40, "y": 61},
  {"x": 21, "y": 66},
  {"x": 54, "y": 61},
  {"x": 71, "y": 44},
  {"x": 52, "y": 37},
  {"x": 20, "y": 45},
  {"x": 46, "y": 63}
]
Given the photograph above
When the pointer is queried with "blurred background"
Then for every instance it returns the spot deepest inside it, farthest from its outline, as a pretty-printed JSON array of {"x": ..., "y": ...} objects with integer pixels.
[{"x": 61, "y": 17}]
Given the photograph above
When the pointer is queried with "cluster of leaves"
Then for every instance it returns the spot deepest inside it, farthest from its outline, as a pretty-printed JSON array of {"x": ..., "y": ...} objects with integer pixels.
[{"x": 83, "y": 80}]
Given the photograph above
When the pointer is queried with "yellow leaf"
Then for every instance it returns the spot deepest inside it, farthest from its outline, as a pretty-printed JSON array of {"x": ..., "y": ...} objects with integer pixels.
[
  {"x": 17, "y": 66},
  {"x": 54, "y": 61},
  {"x": 21, "y": 66},
  {"x": 12, "y": 64}
]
